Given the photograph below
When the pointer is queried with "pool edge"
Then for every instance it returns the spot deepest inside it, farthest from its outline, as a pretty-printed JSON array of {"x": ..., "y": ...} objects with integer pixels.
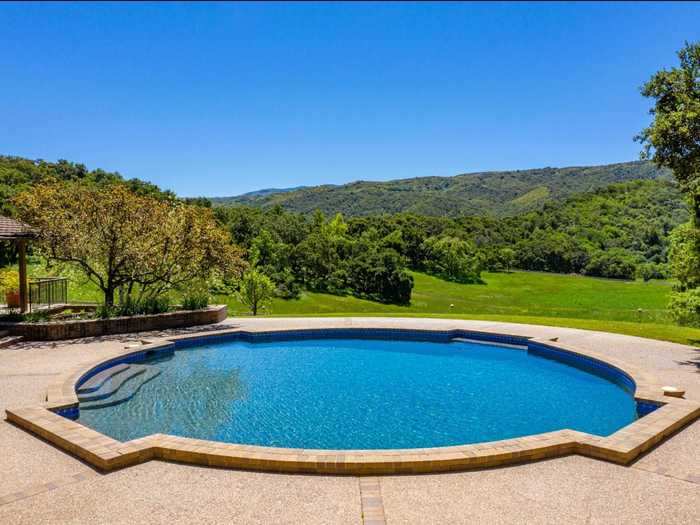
[{"x": 107, "y": 454}]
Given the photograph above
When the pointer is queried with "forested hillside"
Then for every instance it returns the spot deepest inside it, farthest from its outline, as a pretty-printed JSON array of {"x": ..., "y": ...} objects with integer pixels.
[
  {"x": 620, "y": 232},
  {"x": 18, "y": 174},
  {"x": 498, "y": 194}
]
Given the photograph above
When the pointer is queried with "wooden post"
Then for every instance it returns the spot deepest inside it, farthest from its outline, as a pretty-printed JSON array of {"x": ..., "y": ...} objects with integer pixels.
[{"x": 23, "y": 287}]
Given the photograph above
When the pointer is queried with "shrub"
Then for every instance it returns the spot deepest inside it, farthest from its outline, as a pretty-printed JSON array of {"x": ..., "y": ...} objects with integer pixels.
[
  {"x": 685, "y": 307},
  {"x": 127, "y": 307},
  {"x": 154, "y": 305},
  {"x": 130, "y": 307},
  {"x": 104, "y": 311},
  {"x": 195, "y": 300},
  {"x": 9, "y": 280},
  {"x": 37, "y": 317}
]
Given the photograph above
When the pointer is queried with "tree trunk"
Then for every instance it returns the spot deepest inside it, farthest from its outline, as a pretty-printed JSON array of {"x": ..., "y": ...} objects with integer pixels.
[
  {"x": 695, "y": 203},
  {"x": 109, "y": 296}
]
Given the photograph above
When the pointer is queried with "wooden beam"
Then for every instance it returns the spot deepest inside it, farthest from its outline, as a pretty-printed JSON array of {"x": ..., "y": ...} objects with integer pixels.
[{"x": 23, "y": 286}]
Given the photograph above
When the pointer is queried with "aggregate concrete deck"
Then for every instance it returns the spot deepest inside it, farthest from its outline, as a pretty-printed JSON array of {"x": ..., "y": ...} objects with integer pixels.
[{"x": 41, "y": 484}]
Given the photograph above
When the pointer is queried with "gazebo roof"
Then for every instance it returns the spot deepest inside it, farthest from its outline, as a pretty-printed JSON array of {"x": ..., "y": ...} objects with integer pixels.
[{"x": 11, "y": 229}]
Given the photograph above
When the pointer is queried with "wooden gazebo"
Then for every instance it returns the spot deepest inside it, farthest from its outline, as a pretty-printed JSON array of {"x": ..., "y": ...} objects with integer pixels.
[{"x": 19, "y": 233}]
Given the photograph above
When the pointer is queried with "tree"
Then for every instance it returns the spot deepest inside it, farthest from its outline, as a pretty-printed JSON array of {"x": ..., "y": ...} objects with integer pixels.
[
  {"x": 673, "y": 138},
  {"x": 124, "y": 241},
  {"x": 323, "y": 254},
  {"x": 506, "y": 257},
  {"x": 452, "y": 258},
  {"x": 256, "y": 290},
  {"x": 613, "y": 264},
  {"x": 273, "y": 258},
  {"x": 378, "y": 273}
]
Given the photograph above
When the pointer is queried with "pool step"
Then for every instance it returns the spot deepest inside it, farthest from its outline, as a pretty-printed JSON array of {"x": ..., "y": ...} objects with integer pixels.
[
  {"x": 125, "y": 393},
  {"x": 96, "y": 381},
  {"x": 111, "y": 385}
]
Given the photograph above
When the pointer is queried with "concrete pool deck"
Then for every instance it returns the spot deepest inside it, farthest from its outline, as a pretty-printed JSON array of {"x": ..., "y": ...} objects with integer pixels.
[{"x": 43, "y": 484}]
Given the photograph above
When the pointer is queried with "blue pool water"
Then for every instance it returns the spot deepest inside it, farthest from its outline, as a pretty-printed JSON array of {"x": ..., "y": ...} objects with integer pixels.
[{"x": 363, "y": 394}]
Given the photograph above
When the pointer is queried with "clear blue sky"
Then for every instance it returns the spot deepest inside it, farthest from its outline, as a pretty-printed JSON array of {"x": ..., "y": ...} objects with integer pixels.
[{"x": 221, "y": 99}]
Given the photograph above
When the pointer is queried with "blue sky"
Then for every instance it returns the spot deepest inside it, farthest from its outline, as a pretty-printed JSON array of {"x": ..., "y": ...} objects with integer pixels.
[{"x": 220, "y": 99}]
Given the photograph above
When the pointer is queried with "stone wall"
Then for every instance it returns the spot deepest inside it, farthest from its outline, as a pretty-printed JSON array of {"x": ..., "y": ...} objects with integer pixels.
[{"x": 54, "y": 330}]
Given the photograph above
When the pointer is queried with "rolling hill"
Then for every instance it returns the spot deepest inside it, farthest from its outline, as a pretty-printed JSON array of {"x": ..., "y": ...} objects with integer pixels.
[{"x": 501, "y": 193}]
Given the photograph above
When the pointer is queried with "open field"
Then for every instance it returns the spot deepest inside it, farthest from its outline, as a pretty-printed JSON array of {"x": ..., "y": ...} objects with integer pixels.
[
  {"x": 574, "y": 301},
  {"x": 626, "y": 307}
]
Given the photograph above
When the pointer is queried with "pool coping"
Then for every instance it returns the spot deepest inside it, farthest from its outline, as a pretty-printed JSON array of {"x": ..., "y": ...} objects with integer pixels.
[{"x": 106, "y": 453}]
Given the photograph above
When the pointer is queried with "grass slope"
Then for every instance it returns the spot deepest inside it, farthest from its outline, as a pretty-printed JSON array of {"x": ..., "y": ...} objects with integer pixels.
[
  {"x": 523, "y": 297},
  {"x": 492, "y": 193}
]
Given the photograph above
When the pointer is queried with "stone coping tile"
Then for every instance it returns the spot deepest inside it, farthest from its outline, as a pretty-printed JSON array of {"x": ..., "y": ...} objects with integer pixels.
[{"x": 107, "y": 454}]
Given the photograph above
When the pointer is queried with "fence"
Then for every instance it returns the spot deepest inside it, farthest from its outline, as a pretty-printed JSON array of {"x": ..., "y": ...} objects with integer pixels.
[{"x": 47, "y": 291}]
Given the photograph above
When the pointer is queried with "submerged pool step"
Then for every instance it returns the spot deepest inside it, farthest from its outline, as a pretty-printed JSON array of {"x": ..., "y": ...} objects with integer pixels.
[
  {"x": 112, "y": 384},
  {"x": 482, "y": 342},
  {"x": 125, "y": 393},
  {"x": 96, "y": 381}
]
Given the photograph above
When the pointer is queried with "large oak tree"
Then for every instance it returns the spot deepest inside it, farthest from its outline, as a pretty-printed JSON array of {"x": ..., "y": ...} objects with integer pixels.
[{"x": 124, "y": 241}]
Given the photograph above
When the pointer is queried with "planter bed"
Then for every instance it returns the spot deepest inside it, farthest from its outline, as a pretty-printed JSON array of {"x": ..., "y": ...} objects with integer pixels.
[{"x": 55, "y": 330}]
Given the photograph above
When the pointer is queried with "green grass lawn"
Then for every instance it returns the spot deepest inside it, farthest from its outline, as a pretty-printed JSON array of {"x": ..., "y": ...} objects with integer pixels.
[
  {"x": 524, "y": 297},
  {"x": 626, "y": 307}
]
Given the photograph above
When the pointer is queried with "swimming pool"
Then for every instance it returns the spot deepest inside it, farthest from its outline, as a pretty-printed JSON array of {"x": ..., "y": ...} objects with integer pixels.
[{"x": 354, "y": 392}]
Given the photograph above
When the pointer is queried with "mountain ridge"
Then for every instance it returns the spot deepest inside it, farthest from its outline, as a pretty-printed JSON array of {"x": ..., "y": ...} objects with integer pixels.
[{"x": 497, "y": 193}]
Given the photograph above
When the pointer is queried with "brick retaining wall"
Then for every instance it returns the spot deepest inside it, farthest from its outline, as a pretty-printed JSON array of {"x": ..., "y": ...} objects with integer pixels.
[{"x": 51, "y": 331}]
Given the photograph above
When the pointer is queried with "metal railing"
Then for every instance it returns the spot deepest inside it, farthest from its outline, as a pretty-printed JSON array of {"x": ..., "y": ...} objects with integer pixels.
[{"x": 47, "y": 291}]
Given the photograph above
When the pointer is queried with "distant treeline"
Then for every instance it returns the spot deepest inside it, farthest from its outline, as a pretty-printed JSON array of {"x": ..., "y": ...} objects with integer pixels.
[{"x": 618, "y": 232}]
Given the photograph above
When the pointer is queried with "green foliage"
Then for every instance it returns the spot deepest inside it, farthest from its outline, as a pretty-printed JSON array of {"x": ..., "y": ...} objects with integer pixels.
[
  {"x": 195, "y": 301},
  {"x": 614, "y": 264},
  {"x": 105, "y": 311},
  {"x": 493, "y": 193},
  {"x": 649, "y": 271},
  {"x": 673, "y": 138},
  {"x": 154, "y": 305},
  {"x": 130, "y": 307},
  {"x": 38, "y": 316},
  {"x": 378, "y": 273},
  {"x": 196, "y": 296},
  {"x": 673, "y": 141},
  {"x": 18, "y": 174},
  {"x": 685, "y": 256},
  {"x": 256, "y": 290},
  {"x": 121, "y": 240},
  {"x": 452, "y": 259},
  {"x": 274, "y": 258},
  {"x": 685, "y": 307},
  {"x": 611, "y": 232},
  {"x": 320, "y": 254}
]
